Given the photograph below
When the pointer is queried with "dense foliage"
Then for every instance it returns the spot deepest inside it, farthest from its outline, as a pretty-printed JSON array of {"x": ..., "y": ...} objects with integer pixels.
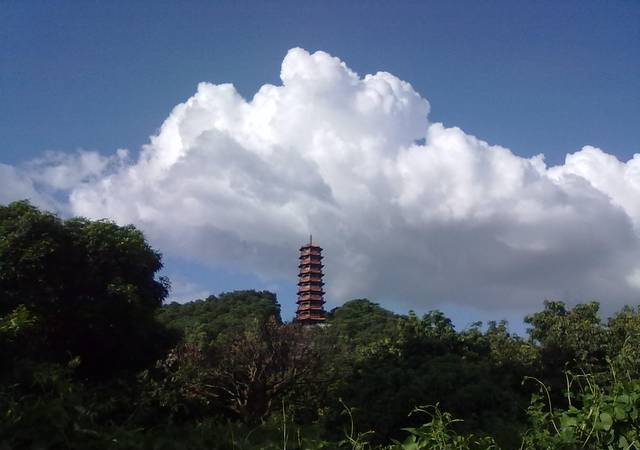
[
  {"x": 89, "y": 358},
  {"x": 90, "y": 285}
]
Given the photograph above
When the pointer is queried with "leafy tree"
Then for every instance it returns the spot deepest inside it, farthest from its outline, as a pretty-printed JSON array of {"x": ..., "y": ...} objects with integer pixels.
[
  {"x": 567, "y": 339},
  {"x": 567, "y": 335},
  {"x": 90, "y": 284},
  {"x": 623, "y": 343},
  {"x": 244, "y": 375},
  {"x": 412, "y": 360}
]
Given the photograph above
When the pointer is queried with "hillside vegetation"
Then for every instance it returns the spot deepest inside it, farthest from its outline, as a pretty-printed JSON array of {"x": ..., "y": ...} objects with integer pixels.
[{"x": 92, "y": 358}]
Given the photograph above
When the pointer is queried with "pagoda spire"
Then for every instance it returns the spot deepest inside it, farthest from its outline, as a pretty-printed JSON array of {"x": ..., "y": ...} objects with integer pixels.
[{"x": 310, "y": 293}]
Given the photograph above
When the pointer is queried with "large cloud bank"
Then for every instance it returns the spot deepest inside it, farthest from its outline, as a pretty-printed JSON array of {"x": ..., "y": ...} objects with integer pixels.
[{"x": 408, "y": 211}]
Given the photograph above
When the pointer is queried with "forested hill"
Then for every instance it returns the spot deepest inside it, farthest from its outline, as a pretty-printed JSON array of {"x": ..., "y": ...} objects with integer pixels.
[
  {"x": 90, "y": 358},
  {"x": 229, "y": 313}
]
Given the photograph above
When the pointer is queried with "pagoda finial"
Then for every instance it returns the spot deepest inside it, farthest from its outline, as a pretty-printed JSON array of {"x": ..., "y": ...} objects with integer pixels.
[{"x": 310, "y": 239}]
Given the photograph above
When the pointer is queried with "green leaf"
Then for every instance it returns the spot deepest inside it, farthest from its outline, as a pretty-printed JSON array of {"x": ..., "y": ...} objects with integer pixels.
[
  {"x": 623, "y": 443},
  {"x": 568, "y": 421},
  {"x": 620, "y": 413},
  {"x": 606, "y": 420}
]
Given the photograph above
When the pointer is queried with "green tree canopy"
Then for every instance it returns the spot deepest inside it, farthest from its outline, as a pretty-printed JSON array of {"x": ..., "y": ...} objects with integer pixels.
[
  {"x": 93, "y": 283},
  {"x": 204, "y": 321},
  {"x": 361, "y": 320}
]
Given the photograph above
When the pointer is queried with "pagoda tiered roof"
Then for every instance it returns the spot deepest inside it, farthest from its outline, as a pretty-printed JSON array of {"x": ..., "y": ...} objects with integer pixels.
[{"x": 310, "y": 293}]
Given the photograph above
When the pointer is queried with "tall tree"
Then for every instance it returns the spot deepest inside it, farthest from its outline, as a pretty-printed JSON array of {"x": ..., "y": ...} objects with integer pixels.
[
  {"x": 244, "y": 375},
  {"x": 93, "y": 283}
]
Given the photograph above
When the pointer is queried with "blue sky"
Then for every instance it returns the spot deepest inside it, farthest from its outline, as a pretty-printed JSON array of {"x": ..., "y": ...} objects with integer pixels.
[{"x": 535, "y": 77}]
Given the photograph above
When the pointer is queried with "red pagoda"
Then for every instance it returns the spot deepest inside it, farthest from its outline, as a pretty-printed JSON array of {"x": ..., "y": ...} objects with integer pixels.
[{"x": 310, "y": 294}]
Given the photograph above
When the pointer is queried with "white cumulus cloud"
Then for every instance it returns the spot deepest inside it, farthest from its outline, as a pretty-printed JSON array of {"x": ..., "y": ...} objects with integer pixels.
[{"x": 409, "y": 212}]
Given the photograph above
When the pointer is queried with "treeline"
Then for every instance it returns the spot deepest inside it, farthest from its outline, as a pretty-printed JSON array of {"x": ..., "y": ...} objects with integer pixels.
[{"x": 90, "y": 358}]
